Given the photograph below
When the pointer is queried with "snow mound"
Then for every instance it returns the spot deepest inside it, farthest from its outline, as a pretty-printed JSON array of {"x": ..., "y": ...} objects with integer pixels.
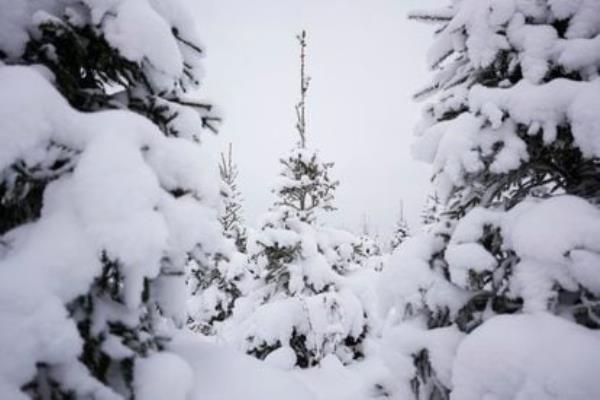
[
  {"x": 220, "y": 373},
  {"x": 526, "y": 357}
]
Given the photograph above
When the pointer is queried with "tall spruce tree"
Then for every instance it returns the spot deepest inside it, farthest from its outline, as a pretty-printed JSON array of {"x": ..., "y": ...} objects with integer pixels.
[
  {"x": 98, "y": 194},
  {"x": 304, "y": 190},
  {"x": 511, "y": 139},
  {"x": 300, "y": 288}
]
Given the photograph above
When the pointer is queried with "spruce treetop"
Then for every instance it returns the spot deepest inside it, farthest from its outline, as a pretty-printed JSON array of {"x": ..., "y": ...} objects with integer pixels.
[{"x": 305, "y": 186}]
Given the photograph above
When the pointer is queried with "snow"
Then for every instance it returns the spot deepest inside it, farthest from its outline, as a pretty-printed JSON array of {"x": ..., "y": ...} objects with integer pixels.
[
  {"x": 548, "y": 105},
  {"x": 111, "y": 204},
  {"x": 303, "y": 297},
  {"x": 455, "y": 147},
  {"x": 550, "y": 229},
  {"x": 405, "y": 340},
  {"x": 151, "y": 44},
  {"x": 527, "y": 357},
  {"x": 333, "y": 381},
  {"x": 408, "y": 284},
  {"x": 220, "y": 373},
  {"x": 134, "y": 40},
  {"x": 473, "y": 135},
  {"x": 536, "y": 44},
  {"x": 483, "y": 20},
  {"x": 125, "y": 223},
  {"x": 456, "y": 153},
  {"x": 34, "y": 328},
  {"x": 13, "y": 21},
  {"x": 86, "y": 213},
  {"x": 321, "y": 318},
  {"x": 585, "y": 17},
  {"x": 282, "y": 358},
  {"x": 163, "y": 375},
  {"x": 556, "y": 241},
  {"x": 149, "y": 203},
  {"x": 505, "y": 71},
  {"x": 274, "y": 322},
  {"x": 476, "y": 33},
  {"x": 551, "y": 243},
  {"x": 468, "y": 257},
  {"x": 544, "y": 234},
  {"x": 364, "y": 285}
]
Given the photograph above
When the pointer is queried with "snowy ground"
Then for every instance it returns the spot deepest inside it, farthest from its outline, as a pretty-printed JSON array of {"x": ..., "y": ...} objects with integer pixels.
[
  {"x": 222, "y": 373},
  {"x": 523, "y": 349},
  {"x": 333, "y": 381}
]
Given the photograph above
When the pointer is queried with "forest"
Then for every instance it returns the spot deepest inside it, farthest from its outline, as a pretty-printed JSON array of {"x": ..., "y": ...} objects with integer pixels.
[{"x": 129, "y": 268}]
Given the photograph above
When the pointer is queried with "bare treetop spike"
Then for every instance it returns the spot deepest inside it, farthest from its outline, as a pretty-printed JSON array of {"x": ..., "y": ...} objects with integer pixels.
[{"x": 304, "y": 82}]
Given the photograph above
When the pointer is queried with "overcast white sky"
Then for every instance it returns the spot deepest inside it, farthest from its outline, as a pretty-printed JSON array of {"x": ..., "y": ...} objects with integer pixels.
[{"x": 365, "y": 60}]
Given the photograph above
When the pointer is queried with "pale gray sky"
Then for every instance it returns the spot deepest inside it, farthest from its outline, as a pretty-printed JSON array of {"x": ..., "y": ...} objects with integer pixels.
[{"x": 365, "y": 60}]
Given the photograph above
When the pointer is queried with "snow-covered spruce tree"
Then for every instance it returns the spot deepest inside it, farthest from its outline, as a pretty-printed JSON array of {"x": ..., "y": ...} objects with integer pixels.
[
  {"x": 401, "y": 230},
  {"x": 369, "y": 239},
  {"x": 303, "y": 190},
  {"x": 368, "y": 250},
  {"x": 303, "y": 312},
  {"x": 215, "y": 286},
  {"x": 513, "y": 139},
  {"x": 104, "y": 197},
  {"x": 231, "y": 218},
  {"x": 348, "y": 253}
]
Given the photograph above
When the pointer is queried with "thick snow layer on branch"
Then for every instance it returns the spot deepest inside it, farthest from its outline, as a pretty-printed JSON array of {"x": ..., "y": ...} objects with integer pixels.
[
  {"x": 468, "y": 257},
  {"x": 584, "y": 14},
  {"x": 139, "y": 32},
  {"x": 486, "y": 27},
  {"x": 144, "y": 31},
  {"x": 547, "y": 106},
  {"x": 535, "y": 356},
  {"x": 532, "y": 71},
  {"x": 556, "y": 240},
  {"x": 409, "y": 284},
  {"x": 457, "y": 147}
]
